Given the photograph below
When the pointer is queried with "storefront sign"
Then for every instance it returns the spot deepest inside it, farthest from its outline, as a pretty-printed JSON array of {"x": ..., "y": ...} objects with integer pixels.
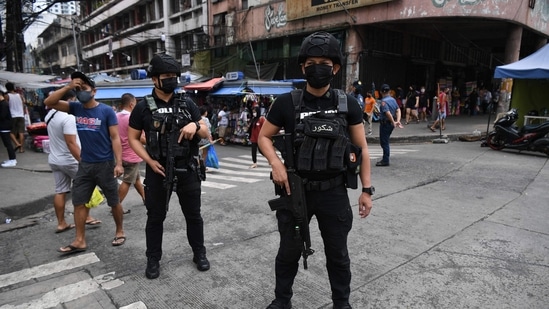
[
  {"x": 275, "y": 18},
  {"x": 300, "y": 9}
]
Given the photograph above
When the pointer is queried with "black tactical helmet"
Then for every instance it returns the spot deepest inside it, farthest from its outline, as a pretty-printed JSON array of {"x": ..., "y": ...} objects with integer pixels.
[
  {"x": 320, "y": 44},
  {"x": 162, "y": 63}
]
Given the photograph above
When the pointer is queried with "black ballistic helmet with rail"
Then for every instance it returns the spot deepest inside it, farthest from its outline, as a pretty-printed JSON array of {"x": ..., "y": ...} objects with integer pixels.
[
  {"x": 320, "y": 44},
  {"x": 162, "y": 63}
]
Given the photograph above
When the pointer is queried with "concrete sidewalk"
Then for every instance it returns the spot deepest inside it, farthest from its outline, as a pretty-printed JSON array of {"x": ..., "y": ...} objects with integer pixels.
[{"x": 28, "y": 188}]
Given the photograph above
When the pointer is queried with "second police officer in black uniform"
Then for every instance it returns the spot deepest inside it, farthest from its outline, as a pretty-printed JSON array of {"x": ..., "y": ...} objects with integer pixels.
[
  {"x": 325, "y": 187},
  {"x": 155, "y": 116}
]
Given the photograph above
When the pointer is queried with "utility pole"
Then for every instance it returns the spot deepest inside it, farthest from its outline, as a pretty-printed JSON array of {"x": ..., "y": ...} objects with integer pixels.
[{"x": 73, "y": 22}]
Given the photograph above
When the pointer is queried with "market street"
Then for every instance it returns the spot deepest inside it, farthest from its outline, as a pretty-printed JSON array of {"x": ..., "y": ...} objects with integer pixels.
[{"x": 453, "y": 226}]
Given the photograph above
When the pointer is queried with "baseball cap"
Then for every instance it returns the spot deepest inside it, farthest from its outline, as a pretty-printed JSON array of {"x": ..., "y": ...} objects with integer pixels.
[
  {"x": 385, "y": 88},
  {"x": 83, "y": 77}
]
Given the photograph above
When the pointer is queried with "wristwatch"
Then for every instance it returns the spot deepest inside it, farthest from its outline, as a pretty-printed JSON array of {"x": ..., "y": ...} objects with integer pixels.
[
  {"x": 371, "y": 190},
  {"x": 197, "y": 126}
]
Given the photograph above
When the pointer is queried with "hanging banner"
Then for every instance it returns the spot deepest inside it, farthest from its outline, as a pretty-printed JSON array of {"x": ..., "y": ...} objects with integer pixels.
[{"x": 300, "y": 9}]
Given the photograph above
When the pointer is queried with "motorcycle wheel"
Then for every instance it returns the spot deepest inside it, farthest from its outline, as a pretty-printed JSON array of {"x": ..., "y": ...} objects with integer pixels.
[{"x": 494, "y": 141}]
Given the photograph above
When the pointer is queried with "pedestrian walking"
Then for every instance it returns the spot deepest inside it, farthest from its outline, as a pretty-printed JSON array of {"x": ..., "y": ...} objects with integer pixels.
[
  {"x": 100, "y": 156},
  {"x": 6, "y": 124},
  {"x": 130, "y": 160},
  {"x": 389, "y": 119},
  {"x": 63, "y": 160}
]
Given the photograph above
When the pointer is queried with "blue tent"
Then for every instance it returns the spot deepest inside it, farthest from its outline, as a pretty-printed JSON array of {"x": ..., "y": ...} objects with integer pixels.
[{"x": 535, "y": 66}]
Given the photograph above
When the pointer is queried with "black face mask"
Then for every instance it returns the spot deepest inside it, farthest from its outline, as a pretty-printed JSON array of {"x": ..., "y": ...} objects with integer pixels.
[
  {"x": 168, "y": 85},
  {"x": 319, "y": 75}
]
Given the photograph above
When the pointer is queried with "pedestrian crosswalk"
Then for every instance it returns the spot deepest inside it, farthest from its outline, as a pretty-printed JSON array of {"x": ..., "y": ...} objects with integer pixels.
[
  {"x": 39, "y": 292},
  {"x": 235, "y": 171}
]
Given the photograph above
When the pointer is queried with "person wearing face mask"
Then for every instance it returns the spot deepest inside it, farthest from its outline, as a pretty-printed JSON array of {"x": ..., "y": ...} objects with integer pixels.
[
  {"x": 325, "y": 188},
  {"x": 423, "y": 104},
  {"x": 100, "y": 155},
  {"x": 156, "y": 114}
]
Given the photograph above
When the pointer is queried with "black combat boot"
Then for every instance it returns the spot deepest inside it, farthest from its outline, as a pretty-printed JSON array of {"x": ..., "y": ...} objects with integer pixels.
[
  {"x": 201, "y": 261},
  {"x": 153, "y": 268},
  {"x": 279, "y": 304}
]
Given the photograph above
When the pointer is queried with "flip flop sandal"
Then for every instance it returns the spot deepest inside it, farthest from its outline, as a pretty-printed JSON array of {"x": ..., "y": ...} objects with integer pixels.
[
  {"x": 71, "y": 249},
  {"x": 119, "y": 241},
  {"x": 93, "y": 222},
  {"x": 66, "y": 228}
]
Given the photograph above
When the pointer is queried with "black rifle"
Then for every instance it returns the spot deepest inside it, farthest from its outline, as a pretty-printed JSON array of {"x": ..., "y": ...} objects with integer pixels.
[
  {"x": 170, "y": 181},
  {"x": 295, "y": 202}
]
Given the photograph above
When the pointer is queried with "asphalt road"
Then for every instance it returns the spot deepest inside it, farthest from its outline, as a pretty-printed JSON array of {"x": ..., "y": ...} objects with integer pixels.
[{"x": 453, "y": 226}]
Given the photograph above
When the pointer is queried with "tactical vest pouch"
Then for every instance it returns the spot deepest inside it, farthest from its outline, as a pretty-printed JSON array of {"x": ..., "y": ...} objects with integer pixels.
[
  {"x": 317, "y": 127},
  {"x": 153, "y": 145},
  {"x": 305, "y": 155},
  {"x": 320, "y": 156},
  {"x": 353, "y": 160},
  {"x": 337, "y": 153},
  {"x": 157, "y": 122}
]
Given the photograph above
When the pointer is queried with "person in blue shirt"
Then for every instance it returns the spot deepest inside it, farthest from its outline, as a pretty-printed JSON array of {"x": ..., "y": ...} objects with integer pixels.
[
  {"x": 100, "y": 158},
  {"x": 389, "y": 119}
]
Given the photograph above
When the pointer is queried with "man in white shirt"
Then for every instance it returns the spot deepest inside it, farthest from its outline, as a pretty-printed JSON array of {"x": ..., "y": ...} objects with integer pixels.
[
  {"x": 18, "y": 111},
  {"x": 223, "y": 123}
]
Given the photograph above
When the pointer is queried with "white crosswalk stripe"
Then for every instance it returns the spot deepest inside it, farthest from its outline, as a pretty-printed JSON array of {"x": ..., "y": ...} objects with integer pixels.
[
  {"x": 377, "y": 153},
  {"x": 59, "y": 295}
]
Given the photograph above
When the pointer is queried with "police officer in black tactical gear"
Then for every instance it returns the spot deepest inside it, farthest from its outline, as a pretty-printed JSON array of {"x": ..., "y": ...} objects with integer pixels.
[
  {"x": 325, "y": 187},
  {"x": 155, "y": 116}
]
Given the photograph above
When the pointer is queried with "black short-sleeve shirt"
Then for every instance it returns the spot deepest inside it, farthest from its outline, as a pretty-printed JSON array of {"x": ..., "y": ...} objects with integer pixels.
[
  {"x": 141, "y": 116},
  {"x": 282, "y": 112}
]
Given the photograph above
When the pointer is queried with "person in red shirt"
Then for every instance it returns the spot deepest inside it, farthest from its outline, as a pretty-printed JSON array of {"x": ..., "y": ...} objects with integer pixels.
[
  {"x": 442, "y": 105},
  {"x": 255, "y": 127}
]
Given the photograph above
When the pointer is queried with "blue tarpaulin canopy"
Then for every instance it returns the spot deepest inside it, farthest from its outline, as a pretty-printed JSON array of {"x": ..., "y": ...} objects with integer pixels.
[
  {"x": 267, "y": 90},
  {"x": 116, "y": 93},
  {"x": 228, "y": 91},
  {"x": 535, "y": 66}
]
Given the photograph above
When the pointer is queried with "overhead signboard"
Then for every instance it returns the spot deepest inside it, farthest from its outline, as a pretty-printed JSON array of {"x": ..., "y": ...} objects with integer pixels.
[{"x": 297, "y": 9}]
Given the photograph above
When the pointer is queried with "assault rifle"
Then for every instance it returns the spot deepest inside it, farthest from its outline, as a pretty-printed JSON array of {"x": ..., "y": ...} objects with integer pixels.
[
  {"x": 295, "y": 202},
  {"x": 170, "y": 181}
]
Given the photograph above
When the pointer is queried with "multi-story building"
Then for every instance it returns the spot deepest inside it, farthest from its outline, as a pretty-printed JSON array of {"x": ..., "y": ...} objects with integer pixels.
[
  {"x": 400, "y": 42},
  {"x": 56, "y": 48}
]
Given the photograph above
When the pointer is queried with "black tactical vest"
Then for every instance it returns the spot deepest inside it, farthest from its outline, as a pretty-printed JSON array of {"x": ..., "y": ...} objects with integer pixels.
[
  {"x": 321, "y": 138},
  {"x": 165, "y": 129}
]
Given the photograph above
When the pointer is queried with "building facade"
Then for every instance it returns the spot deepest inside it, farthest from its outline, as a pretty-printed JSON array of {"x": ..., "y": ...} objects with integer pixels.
[{"x": 420, "y": 42}]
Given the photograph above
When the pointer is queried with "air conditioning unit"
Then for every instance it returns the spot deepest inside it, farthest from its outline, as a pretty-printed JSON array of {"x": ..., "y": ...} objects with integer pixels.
[{"x": 234, "y": 75}]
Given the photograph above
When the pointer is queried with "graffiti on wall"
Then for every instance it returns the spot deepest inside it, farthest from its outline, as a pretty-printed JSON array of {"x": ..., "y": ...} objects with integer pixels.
[
  {"x": 441, "y": 3},
  {"x": 275, "y": 18}
]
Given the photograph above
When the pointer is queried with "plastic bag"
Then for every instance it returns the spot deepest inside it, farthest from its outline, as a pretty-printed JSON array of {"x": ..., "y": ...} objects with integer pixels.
[
  {"x": 96, "y": 199},
  {"x": 211, "y": 158}
]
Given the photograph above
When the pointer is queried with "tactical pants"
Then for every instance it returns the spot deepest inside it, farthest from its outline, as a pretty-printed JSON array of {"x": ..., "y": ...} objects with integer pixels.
[
  {"x": 188, "y": 192},
  {"x": 335, "y": 219}
]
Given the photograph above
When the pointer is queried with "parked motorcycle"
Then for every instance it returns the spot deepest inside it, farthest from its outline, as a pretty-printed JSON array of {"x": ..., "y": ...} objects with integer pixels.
[{"x": 507, "y": 135}]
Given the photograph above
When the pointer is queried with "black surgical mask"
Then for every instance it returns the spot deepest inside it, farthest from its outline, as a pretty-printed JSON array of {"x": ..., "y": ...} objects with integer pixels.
[
  {"x": 168, "y": 84},
  {"x": 319, "y": 75},
  {"x": 84, "y": 96}
]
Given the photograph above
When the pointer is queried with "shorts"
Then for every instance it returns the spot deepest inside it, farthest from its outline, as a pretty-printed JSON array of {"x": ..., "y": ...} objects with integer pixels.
[
  {"x": 63, "y": 176},
  {"x": 18, "y": 125},
  {"x": 441, "y": 115},
  {"x": 222, "y": 131},
  {"x": 131, "y": 172},
  {"x": 90, "y": 175}
]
